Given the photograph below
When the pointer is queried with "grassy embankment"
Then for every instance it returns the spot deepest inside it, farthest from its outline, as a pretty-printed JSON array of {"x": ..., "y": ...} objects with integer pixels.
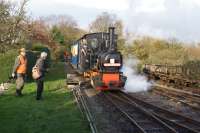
[{"x": 57, "y": 113}]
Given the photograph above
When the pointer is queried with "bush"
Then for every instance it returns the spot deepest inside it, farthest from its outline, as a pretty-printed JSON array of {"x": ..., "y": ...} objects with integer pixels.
[
  {"x": 7, "y": 61},
  {"x": 191, "y": 69},
  {"x": 156, "y": 51},
  {"x": 59, "y": 53},
  {"x": 38, "y": 48}
]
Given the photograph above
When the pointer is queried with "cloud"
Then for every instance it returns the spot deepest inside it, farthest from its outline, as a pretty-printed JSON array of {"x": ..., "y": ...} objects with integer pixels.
[
  {"x": 160, "y": 18},
  {"x": 165, "y": 18},
  {"x": 83, "y": 11},
  {"x": 96, "y": 4},
  {"x": 146, "y": 5},
  {"x": 82, "y": 15}
]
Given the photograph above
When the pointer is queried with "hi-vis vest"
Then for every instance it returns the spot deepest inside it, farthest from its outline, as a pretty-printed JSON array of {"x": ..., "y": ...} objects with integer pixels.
[{"x": 22, "y": 66}]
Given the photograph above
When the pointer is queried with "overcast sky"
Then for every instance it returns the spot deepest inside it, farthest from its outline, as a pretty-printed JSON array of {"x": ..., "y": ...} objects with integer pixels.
[{"x": 160, "y": 18}]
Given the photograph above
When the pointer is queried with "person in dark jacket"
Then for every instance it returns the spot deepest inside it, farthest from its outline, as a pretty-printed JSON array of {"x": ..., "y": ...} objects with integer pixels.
[{"x": 40, "y": 64}]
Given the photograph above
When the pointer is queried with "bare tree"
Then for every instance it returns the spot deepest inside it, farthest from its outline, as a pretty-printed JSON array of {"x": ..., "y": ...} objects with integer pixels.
[
  {"x": 103, "y": 21},
  {"x": 66, "y": 25},
  {"x": 12, "y": 19}
]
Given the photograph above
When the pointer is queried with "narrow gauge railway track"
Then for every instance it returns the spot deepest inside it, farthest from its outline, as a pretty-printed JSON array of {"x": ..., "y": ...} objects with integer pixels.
[
  {"x": 178, "y": 122},
  {"x": 189, "y": 89},
  {"x": 83, "y": 106},
  {"x": 193, "y": 90},
  {"x": 142, "y": 120},
  {"x": 187, "y": 98},
  {"x": 180, "y": 99}
]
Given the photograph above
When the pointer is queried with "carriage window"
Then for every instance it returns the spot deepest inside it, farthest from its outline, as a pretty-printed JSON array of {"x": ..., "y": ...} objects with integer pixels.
[
  {"x": 83, "y": 41},
  {"x": 94, "y": 43}
]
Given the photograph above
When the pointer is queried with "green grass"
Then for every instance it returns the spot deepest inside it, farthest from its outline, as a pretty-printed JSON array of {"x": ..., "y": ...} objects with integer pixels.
[{"x": 56, "y": 113}]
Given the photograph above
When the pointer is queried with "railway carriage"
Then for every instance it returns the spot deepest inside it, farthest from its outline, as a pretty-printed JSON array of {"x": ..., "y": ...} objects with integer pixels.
[{"x": 96, "y": 56}]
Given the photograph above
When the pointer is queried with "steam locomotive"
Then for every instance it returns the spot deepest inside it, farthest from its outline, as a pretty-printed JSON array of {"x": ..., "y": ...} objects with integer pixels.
[{"x": 95, "y": 55}]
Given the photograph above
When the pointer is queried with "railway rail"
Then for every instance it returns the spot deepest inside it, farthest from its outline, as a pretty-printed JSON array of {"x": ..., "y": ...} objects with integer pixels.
[
  {"x": 142, "y": 120},
  {"x": 83, "y": 106},
  {"x": 194, "y": 90},
  {"x": 187, "y": 98},
  {"x": 178, "y": 122}
]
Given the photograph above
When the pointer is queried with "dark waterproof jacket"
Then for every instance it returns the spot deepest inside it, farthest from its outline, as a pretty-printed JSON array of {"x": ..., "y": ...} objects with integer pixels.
[{"x": 40, "y": 63}]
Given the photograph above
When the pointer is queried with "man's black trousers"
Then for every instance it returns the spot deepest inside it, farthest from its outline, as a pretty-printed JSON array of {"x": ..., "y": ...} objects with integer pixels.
[{"x": 40, "y": 86}]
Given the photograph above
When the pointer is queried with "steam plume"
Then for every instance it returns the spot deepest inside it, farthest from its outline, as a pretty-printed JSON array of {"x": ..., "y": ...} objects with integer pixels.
[{"x": 135, "y": 82}]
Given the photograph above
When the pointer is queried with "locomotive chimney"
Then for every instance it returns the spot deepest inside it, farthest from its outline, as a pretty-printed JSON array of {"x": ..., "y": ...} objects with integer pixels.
[{"x": 112, "y": 39}]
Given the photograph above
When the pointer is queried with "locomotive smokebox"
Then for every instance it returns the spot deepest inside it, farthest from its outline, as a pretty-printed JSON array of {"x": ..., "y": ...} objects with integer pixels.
[{"x": 112, "y": 39}]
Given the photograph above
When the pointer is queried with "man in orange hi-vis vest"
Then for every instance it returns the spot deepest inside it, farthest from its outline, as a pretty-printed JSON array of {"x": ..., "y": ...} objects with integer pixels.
[{"x": 19, "y": 71}]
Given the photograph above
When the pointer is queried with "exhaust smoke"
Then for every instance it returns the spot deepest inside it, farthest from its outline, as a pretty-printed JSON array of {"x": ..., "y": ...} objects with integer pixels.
[{"x": 135, "y": 82}]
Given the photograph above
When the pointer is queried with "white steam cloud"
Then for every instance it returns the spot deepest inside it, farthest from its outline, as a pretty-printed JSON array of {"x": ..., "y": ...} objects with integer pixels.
[{"x": 135, "y": 82}]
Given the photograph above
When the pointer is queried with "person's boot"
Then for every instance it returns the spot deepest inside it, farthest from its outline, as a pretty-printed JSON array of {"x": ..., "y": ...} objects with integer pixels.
[
  {"x": 39, "y": 98},
  {"x": 18, "y": 93}
]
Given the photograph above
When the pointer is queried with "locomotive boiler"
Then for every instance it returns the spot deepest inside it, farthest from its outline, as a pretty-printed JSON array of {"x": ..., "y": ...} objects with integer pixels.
[{"x": 95, "y": 55}]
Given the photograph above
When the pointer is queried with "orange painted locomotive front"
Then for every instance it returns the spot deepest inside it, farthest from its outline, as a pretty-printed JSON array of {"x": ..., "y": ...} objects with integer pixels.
[
  {"x": 108, "y": 78},
  {"x": 106, "y": 81},
  {"x": 111, "y": 77}
]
